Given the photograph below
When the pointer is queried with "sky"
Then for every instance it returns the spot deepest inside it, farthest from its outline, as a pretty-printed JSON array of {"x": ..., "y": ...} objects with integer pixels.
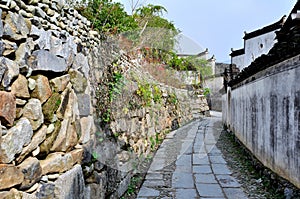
[{"x": 219, "y": 25}]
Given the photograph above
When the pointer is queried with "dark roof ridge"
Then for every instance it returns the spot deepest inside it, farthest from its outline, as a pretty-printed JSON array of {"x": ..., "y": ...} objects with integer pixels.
[
  {"x": 266, "y": 29},
  {"x": 237, "y": 52}
]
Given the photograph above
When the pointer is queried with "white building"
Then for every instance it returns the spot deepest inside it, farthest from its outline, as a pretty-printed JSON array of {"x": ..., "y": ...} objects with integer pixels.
[{"x": 256, "y": 43}]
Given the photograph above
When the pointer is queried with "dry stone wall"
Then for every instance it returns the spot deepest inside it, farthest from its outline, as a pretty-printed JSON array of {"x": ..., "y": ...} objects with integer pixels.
[{"x": 53, "y": 143}]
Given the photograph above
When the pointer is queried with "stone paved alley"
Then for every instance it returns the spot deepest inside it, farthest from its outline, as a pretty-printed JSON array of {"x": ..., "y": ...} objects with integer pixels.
[{"x": 189, "y": 165}]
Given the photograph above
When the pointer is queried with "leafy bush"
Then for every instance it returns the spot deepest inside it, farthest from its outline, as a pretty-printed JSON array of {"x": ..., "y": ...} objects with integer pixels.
[
  {"x": 107, "y": 16},
  {"x": 157, "y": 94},
  {"x": 145, "y": 92}
]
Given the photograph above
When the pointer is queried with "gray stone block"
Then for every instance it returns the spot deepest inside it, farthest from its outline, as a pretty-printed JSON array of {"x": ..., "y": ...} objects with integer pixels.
[
  {"x": 84, "y": 104},
  {"x": 221, "y": 169},
  {"x": 182, "y": 180},
  {"x": 147, "y": 192},
  {"x": 202, "y": 169},
  {"x": 186, "y": 193},
  {"x": 70, "y": 184},
  {"x": 205, "y": 178},
  {"x": 227, "y": 181},
  {"x": 217, "y": 160},
  {"x": 210, "y": 190},
  {"x": 43, "y": 60},
  {"x": 200, "y": 159}
]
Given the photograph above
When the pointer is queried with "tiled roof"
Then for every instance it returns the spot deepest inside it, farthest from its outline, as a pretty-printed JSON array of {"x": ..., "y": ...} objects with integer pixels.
[
  {"x": 198, "y": 54},
  {"x": 275, "y": 26},
  {"x": 238, "y": 52},
  {"x": 288, "y": 38}
]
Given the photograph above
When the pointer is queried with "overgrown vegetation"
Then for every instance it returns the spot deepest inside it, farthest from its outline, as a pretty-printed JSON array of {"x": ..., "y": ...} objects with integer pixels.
[
  {"x": 144, "y": 91},
  {"x": 107, "y": 16},
  {"x": 149, "y": 93},
  {"x": 191, "y": 63}
]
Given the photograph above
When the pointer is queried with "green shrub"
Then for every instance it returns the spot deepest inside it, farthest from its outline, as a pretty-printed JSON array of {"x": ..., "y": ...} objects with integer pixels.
[
  {"x": 157, "y": 94},
  {"x": 145, "y": 92}
]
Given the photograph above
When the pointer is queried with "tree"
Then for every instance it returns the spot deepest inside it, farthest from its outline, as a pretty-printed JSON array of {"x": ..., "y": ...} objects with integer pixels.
[
  {"x": 134, "y": 4},
  {"x": 155, "y": 31},
  {"x": 107, "y": 16}
]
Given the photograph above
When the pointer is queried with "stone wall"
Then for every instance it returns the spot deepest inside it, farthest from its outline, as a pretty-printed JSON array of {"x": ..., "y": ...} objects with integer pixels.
[
  {"x": 264, "y": 113},
  {"x": 53, "y": 74}
]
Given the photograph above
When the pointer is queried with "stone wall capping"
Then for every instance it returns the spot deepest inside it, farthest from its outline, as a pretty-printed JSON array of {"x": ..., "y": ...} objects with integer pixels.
[
  {"x": 21, "y": 4},
  {"x": 30, "y": 9},
  {"x": 46, "y": 2},
  {"x": 26, "y": 14},
  {"x": 43, "y": 6},
  {"x": 53, "y": 6},
  {"x": 4, "y": 7},
  {"x": 12, "y": 5}
]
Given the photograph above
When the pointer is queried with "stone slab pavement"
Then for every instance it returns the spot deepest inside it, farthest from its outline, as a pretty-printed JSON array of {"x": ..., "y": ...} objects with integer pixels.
[{"x": 189, "y": 165}]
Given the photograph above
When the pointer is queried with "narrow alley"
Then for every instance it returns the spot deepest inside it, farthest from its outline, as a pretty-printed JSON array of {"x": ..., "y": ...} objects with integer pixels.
[{"x": 189, "y": 165}]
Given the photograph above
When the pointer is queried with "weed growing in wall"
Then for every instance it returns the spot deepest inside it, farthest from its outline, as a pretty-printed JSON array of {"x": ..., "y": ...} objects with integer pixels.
[
  {"x": 145, "y": 92},
  {"x": 172, "y": 99},
  {"x": 116, "y": 85},
  {"x": 157, "y": 94}
]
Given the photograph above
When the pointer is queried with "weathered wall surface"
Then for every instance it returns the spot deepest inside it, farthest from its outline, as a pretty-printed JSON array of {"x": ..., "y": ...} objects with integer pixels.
[
  {"x": 264, "y": 112},
  {"x": 257, "y": 46},
  {"x": 53, "y": 73},
  {"x": 239, "y": 61},
  {"x": 216, "y": 86}
]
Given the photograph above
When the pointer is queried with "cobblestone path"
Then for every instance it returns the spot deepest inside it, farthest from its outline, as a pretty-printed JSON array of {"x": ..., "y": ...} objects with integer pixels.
[{"x": 189, "y": 165}]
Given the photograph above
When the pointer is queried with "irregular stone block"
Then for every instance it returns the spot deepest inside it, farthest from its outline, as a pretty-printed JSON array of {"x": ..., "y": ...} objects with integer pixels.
[
  {"x": 32, "y": 172},
  {"x": 87, "y": 125},
  {"x": 13, "y": 142},
  {"x": 56, "y": 163},
  {"x": 59, "y": 84},
  {"x": 70, "y": 184},
  {"x": 7, "y": 108},
  {"x": 47, "y": 144},
  {"x": 42, "y": 60},
  {"x": 67, "y": 137},
  {"x": 77, "y": 155},
  {"x": 33, "y": 111},
  {"x": 78, "y": 81},
  {"x": 51, "y": 106},
  {"x": 44, "y": 41},
  {"x": 69, "y": 105},
  {"x": 31, "y": 84},
  {"x": 42, "y": 89},
  {"x": 9, "y": 47},
  {"x": 39, "y": 12},
  {"x": 20, "y": 87},
  {"x": 1, "y": 26},
  {"x": 37, "y": 139},
  {"x": 23, "y": 51},
  {"x": 3, "y": 68},
  {"x": 15, "y": 194},
  {"x": 15, "y": 27},
  {"x": 11, "y": 73},
  {"x": 46, "y": 191},
  {"x": 84, "y": 102},
  {"x": 35, "y": 32},
  {"x": 10, "y": 176},
  {"x": 81, "y": 63}
]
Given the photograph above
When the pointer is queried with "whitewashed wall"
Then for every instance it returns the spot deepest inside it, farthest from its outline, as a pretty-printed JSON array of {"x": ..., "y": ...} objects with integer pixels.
[
  {"x": 257, "y": 46},
  {"x": 265, "y": 116}
]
